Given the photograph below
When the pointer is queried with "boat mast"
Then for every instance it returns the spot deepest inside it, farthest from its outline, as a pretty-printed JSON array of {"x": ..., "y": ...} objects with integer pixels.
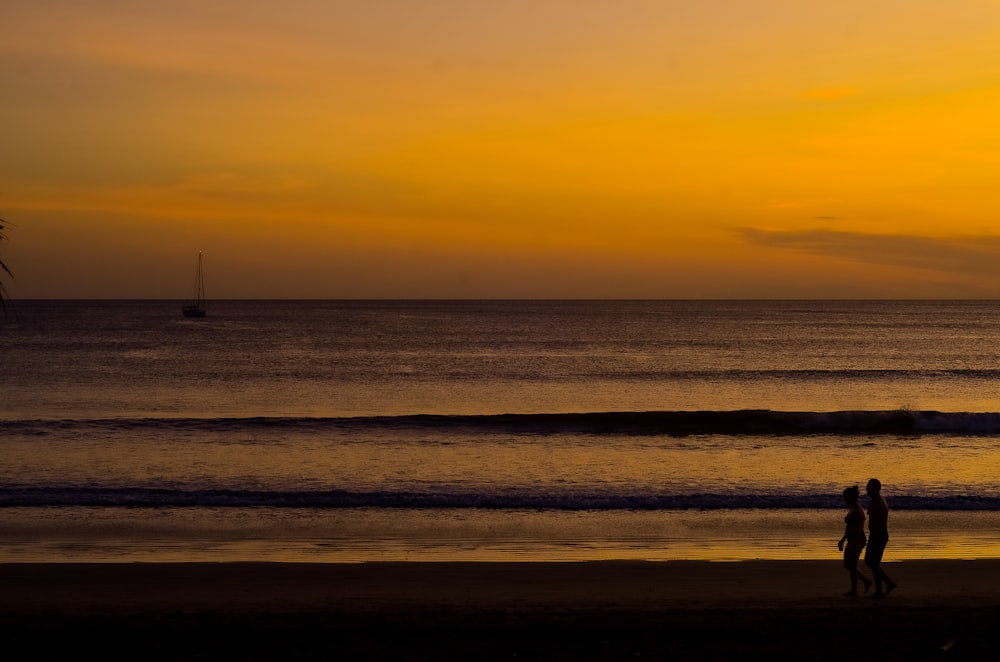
[
  {"x": 197, "y": 309},
  {"x": 200, "y": 286}
]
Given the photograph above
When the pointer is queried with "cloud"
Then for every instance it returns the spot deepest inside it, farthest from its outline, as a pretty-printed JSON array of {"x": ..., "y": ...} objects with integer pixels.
[{"x": 966, "y": 255}]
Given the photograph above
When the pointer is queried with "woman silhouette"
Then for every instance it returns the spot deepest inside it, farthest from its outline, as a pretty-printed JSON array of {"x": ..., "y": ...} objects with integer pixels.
[{"x": 854, "y": 536}]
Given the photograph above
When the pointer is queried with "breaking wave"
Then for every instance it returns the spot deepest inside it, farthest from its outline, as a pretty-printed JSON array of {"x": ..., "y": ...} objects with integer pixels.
[
  {"x": 671, "y": 423},
  {"x": 223, "y": 498}
]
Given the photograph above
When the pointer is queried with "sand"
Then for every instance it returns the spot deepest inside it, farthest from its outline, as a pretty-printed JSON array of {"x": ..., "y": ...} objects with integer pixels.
[{"x": 943, "y": 609}]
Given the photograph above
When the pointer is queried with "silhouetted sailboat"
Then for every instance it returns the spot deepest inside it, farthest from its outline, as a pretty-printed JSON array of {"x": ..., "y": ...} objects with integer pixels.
[{"x": 197, "y": 309}]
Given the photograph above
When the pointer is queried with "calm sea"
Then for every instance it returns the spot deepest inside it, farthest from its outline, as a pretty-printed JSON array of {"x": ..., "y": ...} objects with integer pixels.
[{"x": 528, "y": 430}]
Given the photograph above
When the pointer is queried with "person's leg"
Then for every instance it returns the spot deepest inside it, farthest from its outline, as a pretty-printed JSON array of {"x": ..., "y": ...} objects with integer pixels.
[
  {"x": 851, "y": 556},
  {"x": 852, "y": 570},
  {"x": 864, "y": 580},
  {"x": 873, "y": 559},
  {"x": 889, "y": 584},
  {"x": 876, "y": 577}
]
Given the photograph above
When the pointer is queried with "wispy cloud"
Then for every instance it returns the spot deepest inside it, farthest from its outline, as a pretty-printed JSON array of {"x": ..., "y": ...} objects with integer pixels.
[
  {"x": 977, "y": 255},
  {"x": 165, "y": 40}
]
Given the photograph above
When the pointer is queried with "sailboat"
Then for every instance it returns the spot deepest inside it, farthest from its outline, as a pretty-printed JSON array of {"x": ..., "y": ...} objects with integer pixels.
[{"x": 197, "y": 309}]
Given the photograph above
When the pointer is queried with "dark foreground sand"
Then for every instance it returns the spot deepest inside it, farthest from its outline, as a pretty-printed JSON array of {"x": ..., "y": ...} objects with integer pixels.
[{"x": 772, "y": 610}]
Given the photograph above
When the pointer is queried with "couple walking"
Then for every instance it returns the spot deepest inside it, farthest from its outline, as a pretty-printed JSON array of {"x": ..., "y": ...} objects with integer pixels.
[{"x": 854, "y": 536}]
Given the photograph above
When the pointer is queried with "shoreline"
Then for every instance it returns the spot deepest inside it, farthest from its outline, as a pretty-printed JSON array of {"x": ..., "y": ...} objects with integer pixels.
[
  {"x": 332, "y": 536},
  {"x": 496, "y": 610}
]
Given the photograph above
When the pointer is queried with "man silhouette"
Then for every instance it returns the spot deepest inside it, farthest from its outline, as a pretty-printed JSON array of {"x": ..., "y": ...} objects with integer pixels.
[{"x": 878, "y": 537}]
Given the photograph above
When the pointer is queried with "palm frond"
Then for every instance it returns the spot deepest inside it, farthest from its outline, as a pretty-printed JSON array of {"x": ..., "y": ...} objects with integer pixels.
[{"x": 3, "y": 266}]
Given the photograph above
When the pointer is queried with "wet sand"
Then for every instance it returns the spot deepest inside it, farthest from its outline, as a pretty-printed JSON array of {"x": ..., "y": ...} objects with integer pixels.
[{"x": 781, "y": 610}]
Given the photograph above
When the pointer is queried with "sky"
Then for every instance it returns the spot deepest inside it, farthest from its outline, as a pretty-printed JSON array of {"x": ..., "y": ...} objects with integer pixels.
[{"x": 501, "y": 149}]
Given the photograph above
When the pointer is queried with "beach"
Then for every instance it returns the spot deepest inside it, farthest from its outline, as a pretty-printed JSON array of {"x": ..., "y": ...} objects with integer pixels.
[
  {"x": 570, "y": 611},
  {"x": 495, "y": 480}
]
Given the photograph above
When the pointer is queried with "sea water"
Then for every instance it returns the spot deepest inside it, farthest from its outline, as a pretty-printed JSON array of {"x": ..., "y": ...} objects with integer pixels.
[{"x": 491, "y": 430}]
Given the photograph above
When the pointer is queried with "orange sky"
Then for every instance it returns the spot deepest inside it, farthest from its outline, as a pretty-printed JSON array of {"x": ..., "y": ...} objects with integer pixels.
[{"x": 446, "y": 148}]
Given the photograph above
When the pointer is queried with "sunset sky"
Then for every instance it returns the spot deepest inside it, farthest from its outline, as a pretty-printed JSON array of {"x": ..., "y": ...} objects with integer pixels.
[{"x": 515, "y": 148}]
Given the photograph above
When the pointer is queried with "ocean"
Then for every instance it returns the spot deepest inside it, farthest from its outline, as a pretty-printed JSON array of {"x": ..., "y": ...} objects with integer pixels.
[{"x": 352, "y": 431}]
